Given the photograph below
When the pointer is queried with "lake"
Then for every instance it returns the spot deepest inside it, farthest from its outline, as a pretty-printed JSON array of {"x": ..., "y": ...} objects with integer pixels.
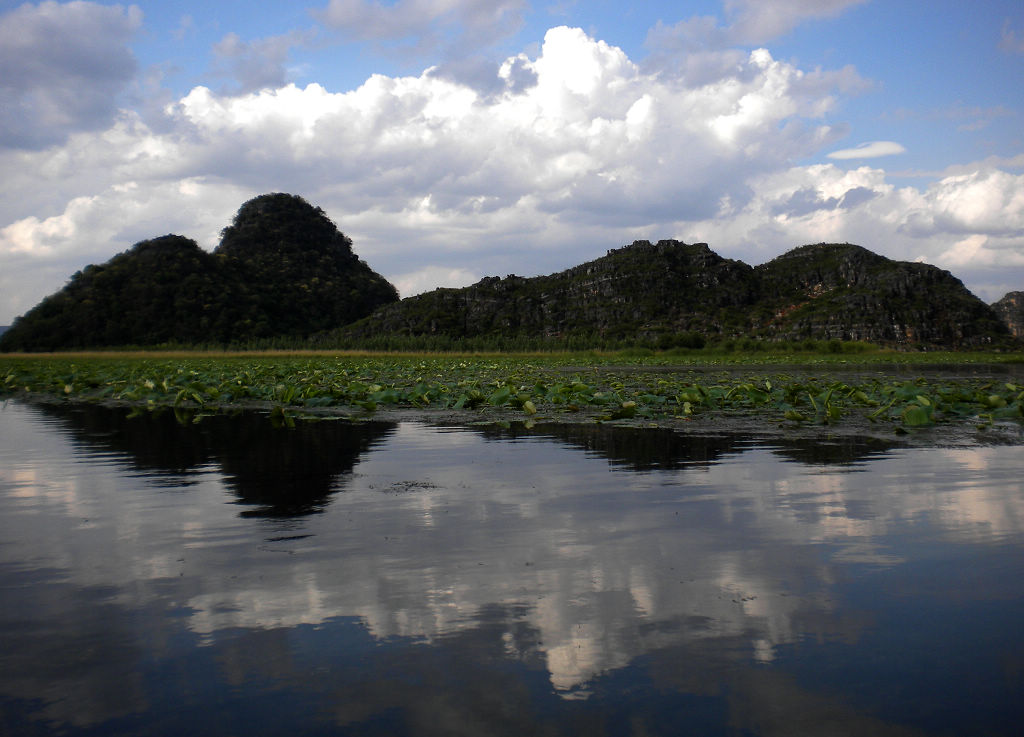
[{"x": 167, "y": 575}]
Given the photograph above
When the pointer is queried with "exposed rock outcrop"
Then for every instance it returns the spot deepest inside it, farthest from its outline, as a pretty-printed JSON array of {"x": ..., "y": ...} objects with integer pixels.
[
  {"x": 846, "y": 292},
  {"x": 1011, "y": 311}
]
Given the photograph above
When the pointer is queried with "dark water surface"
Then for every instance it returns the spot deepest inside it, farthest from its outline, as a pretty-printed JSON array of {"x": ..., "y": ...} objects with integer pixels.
[{"x": 233, "y": 578}]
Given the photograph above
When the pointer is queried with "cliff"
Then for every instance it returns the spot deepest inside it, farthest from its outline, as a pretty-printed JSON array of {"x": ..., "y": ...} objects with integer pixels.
[
  {"x": 846, "y": 292},
  {"x": 1011, "y": 311}
]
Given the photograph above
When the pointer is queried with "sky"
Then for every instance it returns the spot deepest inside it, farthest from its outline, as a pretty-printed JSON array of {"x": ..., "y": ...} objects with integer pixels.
[{"x": 457, "y": 139}]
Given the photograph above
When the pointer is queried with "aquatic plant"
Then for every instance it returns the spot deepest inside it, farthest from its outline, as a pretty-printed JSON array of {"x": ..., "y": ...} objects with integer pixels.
[{"x": 607, "y": 388}]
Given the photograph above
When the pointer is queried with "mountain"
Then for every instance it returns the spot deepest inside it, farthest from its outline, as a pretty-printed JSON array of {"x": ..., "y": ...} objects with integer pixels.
[
  {"x": 297, "y": 272},
  {"x": 282, "y": 269},
  {"x": 1011, "y": 310},
  {"x": 672, "y": 293},
  {"x": 161, "y": 290},
  {"x": 847, "y": 292}
]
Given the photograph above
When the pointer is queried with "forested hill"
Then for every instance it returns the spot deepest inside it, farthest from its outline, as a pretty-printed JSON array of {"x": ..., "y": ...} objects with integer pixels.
[
  {"x": 671, "y": 293},
  {"x": 282, "y": 269},
  {"x": 283, "y": 274}
]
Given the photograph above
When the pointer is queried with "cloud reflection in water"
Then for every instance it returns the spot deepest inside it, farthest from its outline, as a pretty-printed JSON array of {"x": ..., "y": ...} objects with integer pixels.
[{"x": 707, "y": 566}]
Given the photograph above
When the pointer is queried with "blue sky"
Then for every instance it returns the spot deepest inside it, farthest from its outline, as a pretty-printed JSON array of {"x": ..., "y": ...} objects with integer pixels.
[{"x": 454, "y": 139}]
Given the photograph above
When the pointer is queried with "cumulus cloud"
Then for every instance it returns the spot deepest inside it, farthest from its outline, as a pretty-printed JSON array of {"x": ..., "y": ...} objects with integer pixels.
[
  {"x": 987, "y": 202},
  {"x": 62, "y": 67},
  {"x": 581, "y": 149},
  {"x": 40, "y": 253},
  {"x": 870, "y": 150},
  {"x": 971, "y": 224},
  {"x": 124, "y": 214},
  {"x": 589, "y": 137}
]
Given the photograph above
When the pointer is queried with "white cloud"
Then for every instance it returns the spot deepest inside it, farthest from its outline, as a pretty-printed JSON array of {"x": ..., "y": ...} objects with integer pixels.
[
  {"x": 970, "y": 224},
  {"x": 967, "y": 252},
  {"x": 593, "y": 137},
  {"x": 431, "y": 277},
  {"x": 186, "y": 27},
  {"x": 438, "y": 184},
  {"x": 458, "y": 36},
  {"x": 984, "y": 201},
  {"x": 40, "y": 254},
  {"x": 62, "y": 67},
  {"x": 870, "y": 150}
]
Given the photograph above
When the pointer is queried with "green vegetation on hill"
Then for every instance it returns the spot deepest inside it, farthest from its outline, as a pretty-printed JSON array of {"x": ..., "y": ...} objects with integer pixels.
[
  {"x": 673, "y": 294},
  {"x": 163, "y": 290},
  {"x": 846, "y": 292},
  {"x": 296, "y": 273},
  {"x": 283, "y": 276},
  {"x": 282, "y": 270}
]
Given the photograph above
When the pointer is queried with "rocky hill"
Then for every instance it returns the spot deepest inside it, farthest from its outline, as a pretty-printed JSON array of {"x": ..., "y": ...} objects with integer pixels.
[
  {"x": 609, "y": 297},
  {"x": 282, "y": 269},
  {"x": 1011, "y": 311},
  {"x": 847, "y": 292},
  {"x": 671, "y": 293}
]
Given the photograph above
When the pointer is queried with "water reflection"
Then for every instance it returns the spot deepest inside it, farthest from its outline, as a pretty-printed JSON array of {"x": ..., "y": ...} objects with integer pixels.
[
  {"x": 281, "y": 471},
  {"x": 568, "y": 580},
  {"x": 645, "y": 449}
]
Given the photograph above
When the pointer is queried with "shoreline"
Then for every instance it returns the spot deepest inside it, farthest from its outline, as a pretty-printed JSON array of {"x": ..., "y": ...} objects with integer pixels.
[{"x": 957, "y": 433}]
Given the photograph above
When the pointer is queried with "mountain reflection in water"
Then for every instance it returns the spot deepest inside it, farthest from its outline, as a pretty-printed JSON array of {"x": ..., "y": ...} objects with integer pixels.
[
  {"x": 281, "y": 473},
  {"x": 406, "y": 579}
]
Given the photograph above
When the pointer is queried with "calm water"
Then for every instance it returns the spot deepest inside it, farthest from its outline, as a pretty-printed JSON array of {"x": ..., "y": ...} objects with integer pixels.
[{"x": 232, "y": 578}]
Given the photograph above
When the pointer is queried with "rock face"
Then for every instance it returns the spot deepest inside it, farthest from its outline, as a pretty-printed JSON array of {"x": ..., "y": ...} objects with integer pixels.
[
  {"x": 846, "y": 292},
  {"x": 1011, "y": 311},
  {"x": 614, "y": 296},
  {"x": 672, "y": 293},
  {"x": 282, "y": 269}
]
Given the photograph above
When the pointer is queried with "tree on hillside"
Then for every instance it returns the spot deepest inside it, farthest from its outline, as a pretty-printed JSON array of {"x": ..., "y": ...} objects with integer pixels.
[
  {"x": 298, "y": 269},
  {"x": 282, "y": 270},
  {"x": 162, "y": 290}
]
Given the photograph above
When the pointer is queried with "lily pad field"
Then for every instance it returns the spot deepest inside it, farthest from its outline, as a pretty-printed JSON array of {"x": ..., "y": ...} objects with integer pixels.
[{"x": 886, "y": 391}]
